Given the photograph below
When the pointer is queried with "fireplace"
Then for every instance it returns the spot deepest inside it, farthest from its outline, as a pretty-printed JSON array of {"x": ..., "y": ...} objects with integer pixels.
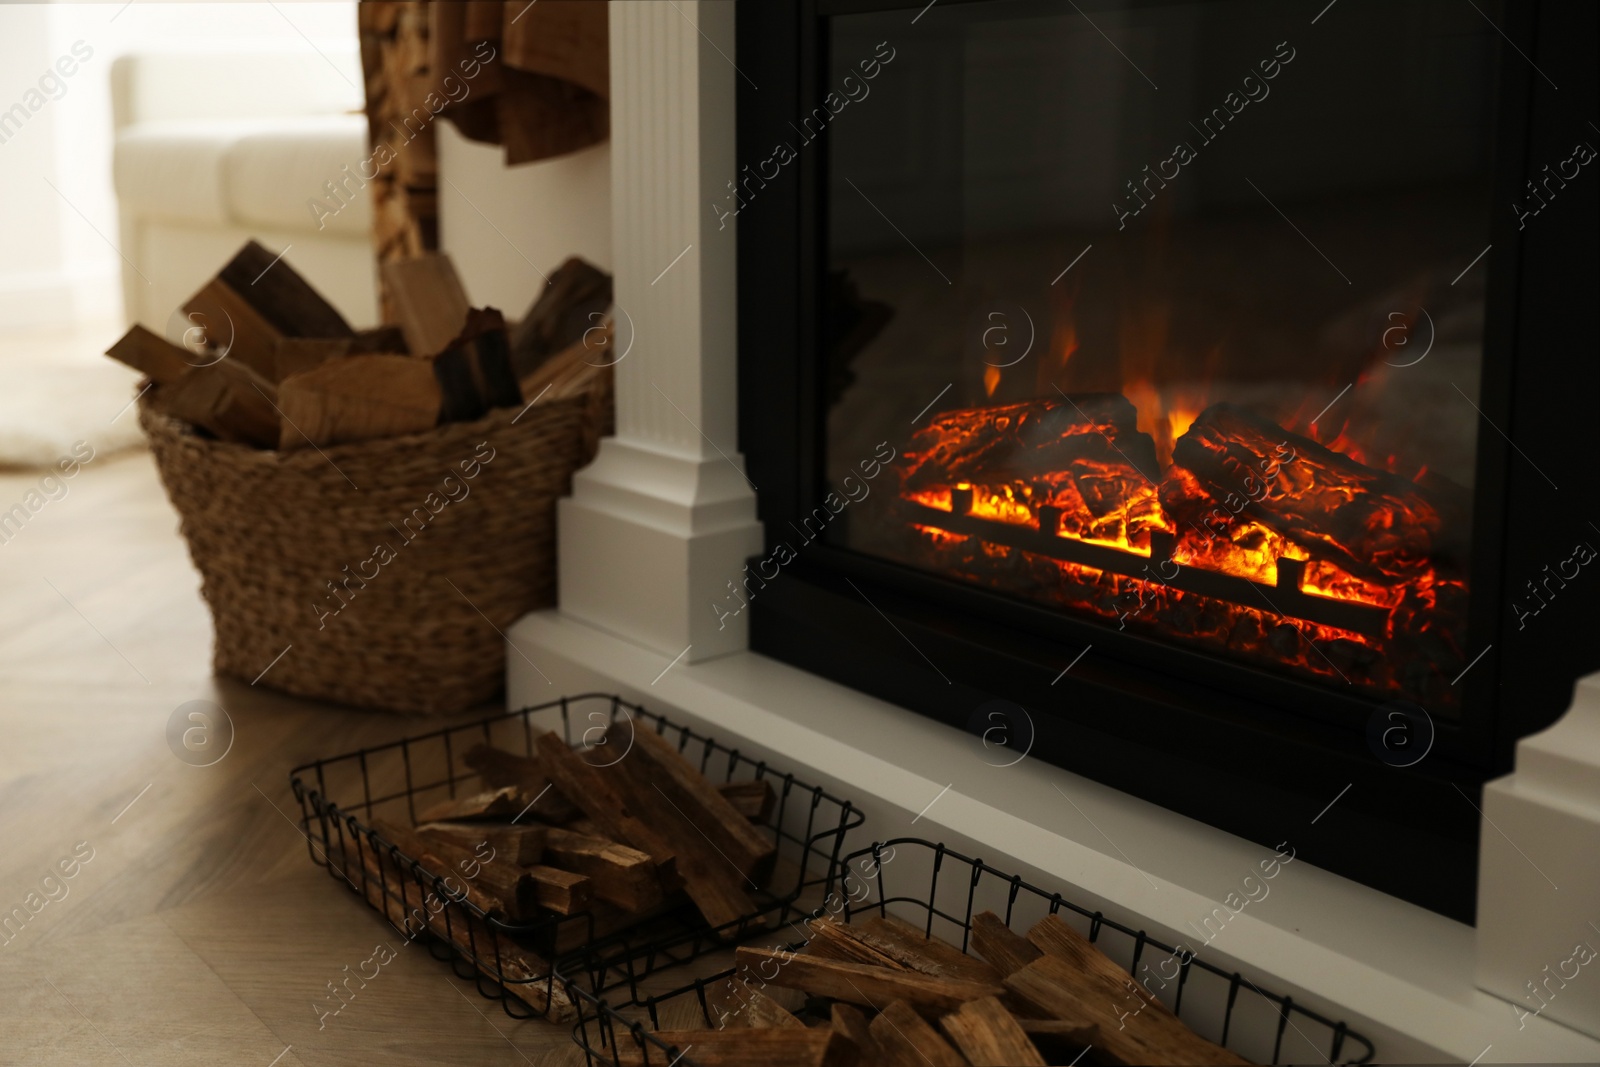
[{"x": 1188, "y": 394}]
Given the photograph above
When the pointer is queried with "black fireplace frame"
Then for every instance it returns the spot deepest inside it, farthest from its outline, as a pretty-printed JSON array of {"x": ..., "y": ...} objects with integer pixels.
[{"x": 1256, "y": 754}]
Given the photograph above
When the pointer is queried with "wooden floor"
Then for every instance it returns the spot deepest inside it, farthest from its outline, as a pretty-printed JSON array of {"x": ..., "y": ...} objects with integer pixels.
[{"x": 199, "y": 931}]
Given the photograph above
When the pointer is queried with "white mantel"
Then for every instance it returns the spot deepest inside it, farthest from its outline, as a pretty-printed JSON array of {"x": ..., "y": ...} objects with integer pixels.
[{"x": 665, "y": 516}]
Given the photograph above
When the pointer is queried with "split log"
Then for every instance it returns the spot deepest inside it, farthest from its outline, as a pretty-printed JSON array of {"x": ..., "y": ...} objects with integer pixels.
[
  {"x": 761, "y": 1012},
  {"x": 1058, "y": 1038},
  {"x": 988, "y": 1036},
  {"x": 358, "y": 398},
  {"x": 522, "y": 973},
  {"x": 1077, "y": 982},
  {"x": 562, "y": 892},
  {"x": 441, "y": 858},
  {"x": 296, "y": 355},
  {"x": 573, "y": 302},
  {"x": 847, "y": 1021},
  {"x": 228, "y": 400},
  {"x": 595, "y": 792},
  {"x": 619, "y": 875},
  {"x": 259, "y": 300},
  {"x": 428, "y": 300},
  {"x": 153, "y": 356},
  {"x": 574, "y": 369},
  {"x": 832, "y": 940},
  {"x": 1370, "y": 523},
  {"x": 474, "y": 369},
  {"x": 996, "y": 942},
  {"x": 904, "y": 1039},
  {"x": 690, "y": 795},
  {"x": 858, "y": 983},
  {"x": 521, "y": 845},
  {"x": 498, "y": 768},
  {"x": 908, "y": 946},
  {"x": 500, "y": 805},
  {"x": 754, "y": 798},
  {"x": 742, "y": 1048}
]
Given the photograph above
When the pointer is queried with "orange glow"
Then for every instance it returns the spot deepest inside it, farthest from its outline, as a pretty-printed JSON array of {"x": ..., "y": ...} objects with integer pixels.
[{"x": 991, "y": 380}]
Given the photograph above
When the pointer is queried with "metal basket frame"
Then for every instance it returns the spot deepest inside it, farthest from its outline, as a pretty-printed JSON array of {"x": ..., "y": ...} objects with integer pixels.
[
  {"x": 600, "y": 1024},
  {"x": 808, "y": 826}
]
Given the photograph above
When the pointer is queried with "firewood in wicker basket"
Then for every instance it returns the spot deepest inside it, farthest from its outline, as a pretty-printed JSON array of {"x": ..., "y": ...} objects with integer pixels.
[
  {"x": 261, "y": 299},
  {"x": 153, "y": 356},
  {"x": 988, "y": 1036},
  {"x": 474, "y": 369},
  {"x": 227, "y": 399},
  {"x": 296, "y": 355},
  {"x": 429, "y": 301},
  {"x": 357, "y": 398},
  {"x": 576, "y": 295}
]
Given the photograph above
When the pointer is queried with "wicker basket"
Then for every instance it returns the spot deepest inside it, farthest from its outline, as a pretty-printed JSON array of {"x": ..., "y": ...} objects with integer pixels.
[{"x": 387, "y": 569}]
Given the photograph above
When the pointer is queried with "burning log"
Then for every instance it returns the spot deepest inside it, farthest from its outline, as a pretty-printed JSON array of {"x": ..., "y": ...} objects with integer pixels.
[{"x": 1370, "y": 523}]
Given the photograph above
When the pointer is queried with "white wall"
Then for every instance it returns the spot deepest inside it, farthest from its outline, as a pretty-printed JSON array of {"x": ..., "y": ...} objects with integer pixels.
[
  {"x": 503, "y": 225},
  {"x": 53, "y": 265}
]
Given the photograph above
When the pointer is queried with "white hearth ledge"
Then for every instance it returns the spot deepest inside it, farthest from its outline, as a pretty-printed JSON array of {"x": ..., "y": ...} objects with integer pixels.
[{"x": 1399, "y": 974}]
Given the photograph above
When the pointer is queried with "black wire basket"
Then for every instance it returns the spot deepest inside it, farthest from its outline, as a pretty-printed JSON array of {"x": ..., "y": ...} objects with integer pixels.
[
  {"x": 518, "y": 963},
  {"x": 947, "y": 889}
]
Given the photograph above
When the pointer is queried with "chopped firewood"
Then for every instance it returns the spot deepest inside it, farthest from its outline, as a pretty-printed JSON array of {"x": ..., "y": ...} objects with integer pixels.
[
  {"x": 296, "y": 355},
  {"x": 521, "y": 845},
  {"x": 753, "y": 799},
  {"x": 572, "y": 370},
  {"x": 506, "y": 883},
  {"x": 560, "y": 891},
  {"x": 595, "y": 791},
  {"x": 228, "y": 400},
  {"x": 429, "y": 301},
  {"x": 357, "y": 398},
  {"x": 996, "y": 942},
  {"x": 1134, "y": 1027},
  {"x": 153, "y": 356},
  {"x": 911, "y": 948},
  {"x": 495, "y": 805},
  {"x": 498, "y": 768},
  {"x": 742, "y": 1048},
  {"x": 761, "y": 1012},
  {"x": 691, "y": 795},
  {"x": 710, "y": 876},
  {"x": 904, "y": 1039},
  {"x": 988, "y": 1036},
  {"x": 619, "y": 875},
  {"x": 846, "y": 1019},
  {"x": 261, "y": 299},
  {"x": 474, "y": 369},
  {"x": 574, "y": 301},
  {"x": 524, "y": 974},
  {"x": 831, "y": 940},
  {"x": 858, "y": 983}
]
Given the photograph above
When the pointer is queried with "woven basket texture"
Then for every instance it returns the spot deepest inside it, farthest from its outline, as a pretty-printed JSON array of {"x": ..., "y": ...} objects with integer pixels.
[{"x": 390, "y": 568}]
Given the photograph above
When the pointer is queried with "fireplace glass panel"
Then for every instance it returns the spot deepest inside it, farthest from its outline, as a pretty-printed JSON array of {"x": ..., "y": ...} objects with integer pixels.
[{"x": 1172, "y": 315}]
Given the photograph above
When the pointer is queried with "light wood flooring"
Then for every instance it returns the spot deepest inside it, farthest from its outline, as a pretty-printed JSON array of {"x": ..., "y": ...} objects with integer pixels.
[{"x": 199, "y": 932}]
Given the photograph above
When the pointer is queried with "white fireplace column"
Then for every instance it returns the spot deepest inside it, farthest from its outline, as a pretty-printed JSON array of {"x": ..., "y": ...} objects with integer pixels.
[{"x": 664, "y": 519}]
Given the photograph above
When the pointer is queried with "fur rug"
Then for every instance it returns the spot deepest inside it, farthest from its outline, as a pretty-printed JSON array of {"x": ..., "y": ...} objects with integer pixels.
[{"x": 47, "y": 404}]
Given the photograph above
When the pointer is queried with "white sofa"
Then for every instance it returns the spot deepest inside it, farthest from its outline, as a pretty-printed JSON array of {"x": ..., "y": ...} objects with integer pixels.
[{"x": 214, "y": 149}]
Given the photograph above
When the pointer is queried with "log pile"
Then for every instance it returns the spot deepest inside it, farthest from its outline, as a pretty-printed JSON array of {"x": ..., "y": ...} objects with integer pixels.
[
  {"x": 268, "y": 363},
  {"x": 879, "y": 992},
  {"x": 566, "y": 833}
]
